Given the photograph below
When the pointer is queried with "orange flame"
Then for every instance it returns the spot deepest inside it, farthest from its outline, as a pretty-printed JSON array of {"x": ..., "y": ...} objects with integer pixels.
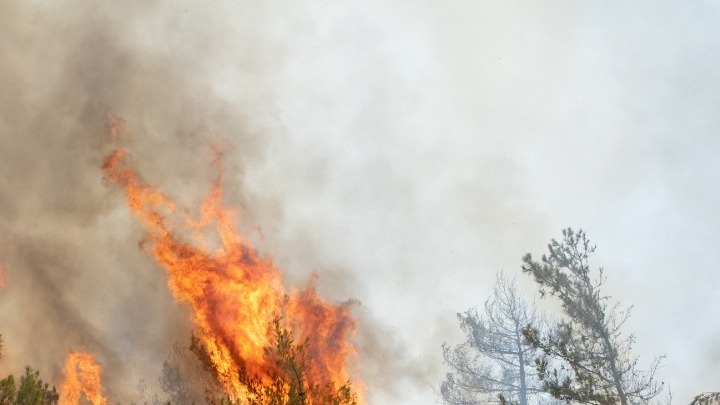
[
  {"x": 234, "y": 292},
  {"x": 82, "y": 375}
]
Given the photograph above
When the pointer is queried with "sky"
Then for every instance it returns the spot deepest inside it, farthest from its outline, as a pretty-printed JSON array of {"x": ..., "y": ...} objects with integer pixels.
[{"x": 403, "y": 151}]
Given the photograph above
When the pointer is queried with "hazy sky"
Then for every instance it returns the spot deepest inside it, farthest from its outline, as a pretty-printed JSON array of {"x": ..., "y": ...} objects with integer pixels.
[{"x": 403, "y": 150}]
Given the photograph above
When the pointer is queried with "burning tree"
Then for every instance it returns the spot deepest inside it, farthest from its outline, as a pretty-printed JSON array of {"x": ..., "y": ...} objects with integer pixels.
[
  {"x": 587, "y": 359},
  {"x": 233, "y": 292},
  {"x": 290, "y": 382}
]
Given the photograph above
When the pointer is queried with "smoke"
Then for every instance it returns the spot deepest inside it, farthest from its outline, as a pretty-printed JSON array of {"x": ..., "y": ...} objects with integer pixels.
[
  {"x": 183, "y": 77},
  {"x": 405, "y": 152},
  {"x": 76, "y": 277}
]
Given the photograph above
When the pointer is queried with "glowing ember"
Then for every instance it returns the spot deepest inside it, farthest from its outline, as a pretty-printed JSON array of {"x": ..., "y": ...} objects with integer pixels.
[
  {"x": 82, "y": 375},
  {"x": 234, "y": 292}
]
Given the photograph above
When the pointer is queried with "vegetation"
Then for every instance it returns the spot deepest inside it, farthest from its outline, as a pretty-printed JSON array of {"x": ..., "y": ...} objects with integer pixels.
[
  {"x": 707, "y": 398},
  {"x": 289, "y": 384},
  {"x": 31, "y": 390},
  {"x": 586, "y": 357},
  {"x": 494, "y": 360}
]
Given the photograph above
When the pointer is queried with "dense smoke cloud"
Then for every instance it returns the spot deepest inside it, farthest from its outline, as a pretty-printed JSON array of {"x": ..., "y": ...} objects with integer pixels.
[
  {"x": 76, "y": 277},
  {"x": 405, "y": 152},
  {"x": 183, "y": 78}
]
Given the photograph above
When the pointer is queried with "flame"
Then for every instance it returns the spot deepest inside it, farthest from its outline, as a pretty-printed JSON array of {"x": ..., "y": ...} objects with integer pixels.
[
  {"x": 234, "y": 293},
  {"x": 82, "y": 375}
]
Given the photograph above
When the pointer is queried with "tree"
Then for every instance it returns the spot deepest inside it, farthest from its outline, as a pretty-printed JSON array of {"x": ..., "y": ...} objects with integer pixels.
[
  {"x": 174, "y": 382},
  {"x": 707, "y": 398},
  {"x": 32, "y": 389},
  {"x": 587, "y": 359},
  {"x": 494, "y": 360},
  {"x": 288, "y": 384}
]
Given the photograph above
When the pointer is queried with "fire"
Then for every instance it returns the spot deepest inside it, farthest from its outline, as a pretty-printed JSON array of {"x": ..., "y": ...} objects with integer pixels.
[
  {"x": 234, "y": 293},
  {"x": 82, "y": 375}
]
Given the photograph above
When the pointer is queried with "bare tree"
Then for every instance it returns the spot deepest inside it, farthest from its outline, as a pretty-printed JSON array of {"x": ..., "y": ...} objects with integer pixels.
[
  {"x": 587, "y": 359},
  {"x": 494, "y": 361}
]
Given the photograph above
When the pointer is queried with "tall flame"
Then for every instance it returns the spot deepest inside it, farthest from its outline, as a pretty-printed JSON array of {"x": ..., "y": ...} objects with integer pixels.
[
  {"x": 234, "y": 293},
  {"x": 82, "y": 375}
]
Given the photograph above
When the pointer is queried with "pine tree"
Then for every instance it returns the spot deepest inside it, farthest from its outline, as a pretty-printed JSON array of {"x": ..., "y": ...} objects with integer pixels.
[
  {"x": 32, "y": 389},
  {"x": 288, "y": 384},
  {"x": 587, "y": 358}
]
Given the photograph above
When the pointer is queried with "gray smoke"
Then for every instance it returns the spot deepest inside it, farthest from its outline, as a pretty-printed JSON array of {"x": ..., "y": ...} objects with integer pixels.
[
  {"x": 184, "y": 76},
  {"x": 405, "y": 151},
  {"x": 76, "y": 277}
]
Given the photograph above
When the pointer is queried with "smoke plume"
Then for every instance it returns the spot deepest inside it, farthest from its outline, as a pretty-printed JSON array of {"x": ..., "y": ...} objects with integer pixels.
[
  {"x": 77, "y": 278},
  {"x": 182, "y": 77}
]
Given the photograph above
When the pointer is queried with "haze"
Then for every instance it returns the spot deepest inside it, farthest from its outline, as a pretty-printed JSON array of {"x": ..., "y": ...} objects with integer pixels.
[{"x": 403, "y": 151}]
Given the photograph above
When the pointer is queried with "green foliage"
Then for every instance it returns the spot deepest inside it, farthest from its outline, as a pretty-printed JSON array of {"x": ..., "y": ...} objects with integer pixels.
[
  {"x": 586, "y": 358},
  {"x": 707, "y": 398},
  {"x": 504, "y": 401},
  {"x": 288, "y": 383},
  {"x": 32, "y": 389},
  {"x": 8, "y": 390}
]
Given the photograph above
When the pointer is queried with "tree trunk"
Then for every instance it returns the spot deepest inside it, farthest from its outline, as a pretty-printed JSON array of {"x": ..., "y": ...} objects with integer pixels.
[
  {"x": 617, "y": 378},
  {"x": 521, "y": 363}
]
